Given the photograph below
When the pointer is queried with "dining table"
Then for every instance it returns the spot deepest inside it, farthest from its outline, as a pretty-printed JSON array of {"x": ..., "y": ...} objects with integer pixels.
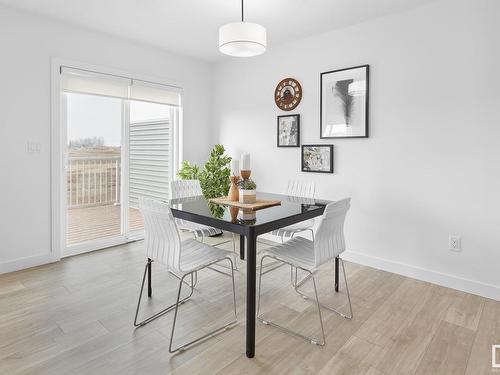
[{"x": 249, "y": 225}]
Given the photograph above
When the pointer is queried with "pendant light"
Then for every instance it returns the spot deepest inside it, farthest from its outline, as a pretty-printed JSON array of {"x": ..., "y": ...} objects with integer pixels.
[{"x": 242, "y": 39}]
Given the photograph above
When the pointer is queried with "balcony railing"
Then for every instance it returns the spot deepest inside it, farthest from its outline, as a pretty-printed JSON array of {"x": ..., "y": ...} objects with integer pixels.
[{"x": 93, "y": 180}]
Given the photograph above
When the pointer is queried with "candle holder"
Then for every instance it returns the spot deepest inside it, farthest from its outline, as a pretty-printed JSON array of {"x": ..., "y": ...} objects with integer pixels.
[
  {"x": 234, "y": 194},
  {"x": 245, "y": 174}
]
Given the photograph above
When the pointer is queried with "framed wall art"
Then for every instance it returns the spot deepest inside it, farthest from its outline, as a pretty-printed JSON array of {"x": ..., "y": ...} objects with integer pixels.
[
  {"x": 288, "y": 131},
  {"x": 344, "y": 103},
  {"x": 317, "y": 158}
]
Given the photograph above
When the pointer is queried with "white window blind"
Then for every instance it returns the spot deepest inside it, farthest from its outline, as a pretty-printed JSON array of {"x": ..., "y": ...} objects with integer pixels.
[
  {"x": 149, "y": 160},
  {"x": 93, "y": 83}
]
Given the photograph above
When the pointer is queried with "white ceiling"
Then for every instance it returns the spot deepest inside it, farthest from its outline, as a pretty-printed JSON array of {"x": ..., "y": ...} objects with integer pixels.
[{"x": 190, "y": 27}]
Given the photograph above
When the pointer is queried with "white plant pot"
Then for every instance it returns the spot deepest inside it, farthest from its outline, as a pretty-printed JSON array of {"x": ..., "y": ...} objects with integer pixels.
[{"x": 248, "y": 196}]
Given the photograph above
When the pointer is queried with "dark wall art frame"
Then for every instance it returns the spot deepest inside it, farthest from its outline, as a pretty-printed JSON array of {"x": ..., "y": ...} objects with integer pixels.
[
  {"x": 304, "y": 169},
  {"x": 367, "y": 96},
  {"x": 297, "y": 118}
]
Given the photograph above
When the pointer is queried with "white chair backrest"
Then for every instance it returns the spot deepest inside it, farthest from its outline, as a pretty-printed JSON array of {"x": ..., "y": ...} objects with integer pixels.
[
  {"x": 185, "y": 189},
  {"x": 329, "y": 240},
  {"x": 300, "y": 189},
  {"x": 161, "y": 239}
]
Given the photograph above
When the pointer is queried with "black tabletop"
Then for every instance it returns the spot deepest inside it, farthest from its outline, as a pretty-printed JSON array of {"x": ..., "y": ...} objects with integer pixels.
[{"x": 200, "y": 208}]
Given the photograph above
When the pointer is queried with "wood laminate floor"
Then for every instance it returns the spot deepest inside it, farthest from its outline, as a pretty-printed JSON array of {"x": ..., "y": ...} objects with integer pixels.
[
  {"x": 75, "y": 317},
  {"x": 94, "y": 222}
]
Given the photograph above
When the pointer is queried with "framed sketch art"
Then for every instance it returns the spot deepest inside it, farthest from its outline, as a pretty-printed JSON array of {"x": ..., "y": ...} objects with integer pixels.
[
  {"x": 344, "y": 103},
  {"x": 289, "y": 131},
  {"x": 317, "y": 158}
]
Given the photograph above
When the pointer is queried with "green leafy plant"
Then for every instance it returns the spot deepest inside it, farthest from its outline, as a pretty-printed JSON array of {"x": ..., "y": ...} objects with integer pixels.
[
  {"x": 247, "y": 185},
  {"x": 188, "y": 171},
  {"x": 214, "y": 177}
]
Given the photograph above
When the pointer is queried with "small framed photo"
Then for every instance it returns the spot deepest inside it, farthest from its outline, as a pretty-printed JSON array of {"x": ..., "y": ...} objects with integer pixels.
[
  {"x": 289, "y": 131},
  {"x": 344, "y": 103},
  {"x": 317, "y": 158}
]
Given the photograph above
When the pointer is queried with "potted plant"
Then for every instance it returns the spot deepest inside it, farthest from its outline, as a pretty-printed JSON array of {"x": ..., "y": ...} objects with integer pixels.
[
  {"x": 213, "y": 177},
  {"x": 247, "y": 191}
]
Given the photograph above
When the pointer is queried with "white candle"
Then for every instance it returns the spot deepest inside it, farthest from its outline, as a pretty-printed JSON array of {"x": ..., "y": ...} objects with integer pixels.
[
  {"x": 245, "y": 162},
  {"x": 235, "y": 167}
]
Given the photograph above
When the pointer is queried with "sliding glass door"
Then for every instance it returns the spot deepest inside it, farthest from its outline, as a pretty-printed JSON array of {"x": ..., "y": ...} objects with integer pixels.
[
  {"x": 120, "y": 147},
  {"x": 94, "y": 163}
]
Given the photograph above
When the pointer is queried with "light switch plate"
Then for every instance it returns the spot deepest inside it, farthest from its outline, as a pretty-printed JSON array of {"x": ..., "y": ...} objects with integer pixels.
[{"x": 34, "y": 147}]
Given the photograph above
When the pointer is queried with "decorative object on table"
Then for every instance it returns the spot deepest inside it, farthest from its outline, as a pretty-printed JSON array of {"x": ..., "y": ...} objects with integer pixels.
[
  {"x": 214, "y": 177},
  {"x": 344, "y": 103},
  {"x": 245, "y": 169},
  {"x": 247, "y": 191},
  {"x": 317, "y": 158},
  {"x": 289, "y": 131},
  {"x": 258, "y": 205},
  {"x": 242, "y": 39},
  {"x": 288, "y": 94},
  {"x": 235, "y": 171}
]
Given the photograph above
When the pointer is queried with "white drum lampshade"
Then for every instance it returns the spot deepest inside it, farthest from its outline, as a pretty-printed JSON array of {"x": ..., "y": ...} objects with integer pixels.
[{"x": 242, "y": 39}]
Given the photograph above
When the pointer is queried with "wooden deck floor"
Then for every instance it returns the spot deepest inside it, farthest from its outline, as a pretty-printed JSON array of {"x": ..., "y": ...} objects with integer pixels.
[
  {"x": 89, "y": 223},
  {"x": 75, "y": 317}
]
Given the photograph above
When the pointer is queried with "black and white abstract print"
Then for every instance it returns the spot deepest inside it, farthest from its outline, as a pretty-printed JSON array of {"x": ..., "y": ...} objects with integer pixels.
[{"x": 289, "y": 131}]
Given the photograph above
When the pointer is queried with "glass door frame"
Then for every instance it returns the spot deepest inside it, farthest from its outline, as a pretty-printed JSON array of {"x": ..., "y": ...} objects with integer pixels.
[{"x": 59, "y": 162}]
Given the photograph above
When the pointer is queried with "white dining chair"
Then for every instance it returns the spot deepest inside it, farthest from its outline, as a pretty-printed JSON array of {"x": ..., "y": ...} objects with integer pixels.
[
  {"x": 162, "y": 244},
  {"x": 297, "y": 190},
  {"x": 308, "y": 256},
  {"x": 189, "y": 189}
]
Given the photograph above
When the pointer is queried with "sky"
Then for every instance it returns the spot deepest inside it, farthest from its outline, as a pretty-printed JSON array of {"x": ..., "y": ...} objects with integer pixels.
[{"x": 92, "y": 116}]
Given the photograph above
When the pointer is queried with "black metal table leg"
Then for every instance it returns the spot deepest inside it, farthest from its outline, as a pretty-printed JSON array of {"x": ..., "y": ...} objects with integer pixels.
[
  {"x": 336, "y": 274},
  {"x": 150, "y": 289},
  {"x": 242, "y": 247},
  {"x": 251, "y": 286}
]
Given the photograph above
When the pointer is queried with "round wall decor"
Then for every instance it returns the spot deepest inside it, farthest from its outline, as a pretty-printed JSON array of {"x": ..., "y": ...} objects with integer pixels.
[{"x": 288, "y": 94}]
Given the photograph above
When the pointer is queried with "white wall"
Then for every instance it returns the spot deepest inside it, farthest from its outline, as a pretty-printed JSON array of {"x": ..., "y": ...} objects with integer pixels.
[
  {"x": 431, "y": 165},
  {"x": 27, "y": 44}
]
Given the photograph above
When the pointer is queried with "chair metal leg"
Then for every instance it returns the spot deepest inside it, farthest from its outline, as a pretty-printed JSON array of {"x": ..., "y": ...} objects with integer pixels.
[
  {"x": 150, "y": 289},
  {"x": 162, "y": 312},
  {"x": 185, "y": 282},
  {"x": 261, "y": 319},
  {"x": 210, "y": 334},
  {"x": 336, "y": 274},
  {"x": 303, "y": 281},
  {"x": 235, "y": 255}
]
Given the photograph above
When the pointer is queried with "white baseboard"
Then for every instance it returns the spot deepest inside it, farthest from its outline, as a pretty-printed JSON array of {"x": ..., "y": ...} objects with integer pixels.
[
  {"x": 28, "y": 262},
  {"x": 431, "y": 276}
]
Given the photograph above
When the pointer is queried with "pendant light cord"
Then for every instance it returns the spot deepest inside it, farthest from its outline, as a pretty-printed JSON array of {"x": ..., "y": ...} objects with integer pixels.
[{"x": 242, "y": 11}]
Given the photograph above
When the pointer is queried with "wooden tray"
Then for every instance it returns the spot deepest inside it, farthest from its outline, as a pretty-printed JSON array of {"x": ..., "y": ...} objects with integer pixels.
[{"x": 261, "y": 203}]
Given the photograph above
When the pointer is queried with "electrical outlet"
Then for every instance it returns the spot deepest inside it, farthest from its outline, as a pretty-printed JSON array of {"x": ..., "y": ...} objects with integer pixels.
[{"x": 454, "y": 243}]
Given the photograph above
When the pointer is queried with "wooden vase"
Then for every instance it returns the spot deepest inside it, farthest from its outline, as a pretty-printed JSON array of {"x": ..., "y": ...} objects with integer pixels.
[{"x": 234, "y": 194}]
